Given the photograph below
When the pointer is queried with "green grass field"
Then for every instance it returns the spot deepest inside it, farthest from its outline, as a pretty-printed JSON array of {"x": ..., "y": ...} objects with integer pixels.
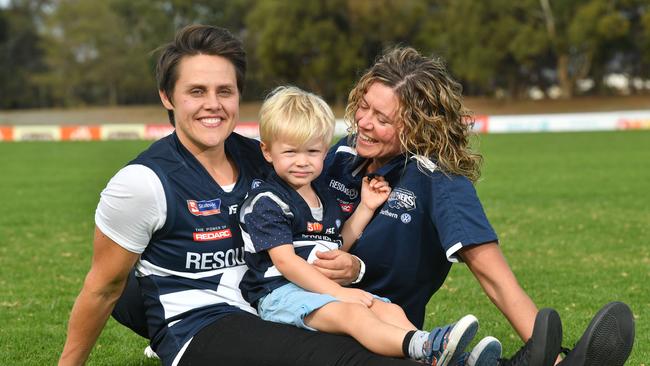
[{"x": 572, "y": 211}]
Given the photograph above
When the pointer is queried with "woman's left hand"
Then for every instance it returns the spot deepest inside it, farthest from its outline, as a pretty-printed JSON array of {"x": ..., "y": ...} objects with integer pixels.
[{"x": 338, "y": 266}]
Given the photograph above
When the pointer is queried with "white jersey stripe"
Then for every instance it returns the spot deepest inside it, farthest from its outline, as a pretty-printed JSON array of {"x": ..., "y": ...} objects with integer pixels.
[
  {"x": 176, "y": 303},
  {"x": 146, "y": 268},
  {"x": 346, "y": 149},
  {"x": 451, "y": 252},
  {"x": 247, "y": 207},
  {"x": 272, "y": 272}
]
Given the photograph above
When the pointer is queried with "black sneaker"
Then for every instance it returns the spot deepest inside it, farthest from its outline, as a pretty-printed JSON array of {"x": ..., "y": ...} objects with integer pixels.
[
  {"x": 608, "y": 339},
  {"x": 543, "y": 346}
]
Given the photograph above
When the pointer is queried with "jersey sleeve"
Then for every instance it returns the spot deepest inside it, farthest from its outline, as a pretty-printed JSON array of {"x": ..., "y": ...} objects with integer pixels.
[
  {"x": 267, "y": 221},
  {"x": 458, "y": 215},
  {"x": 132, "y": 207}
]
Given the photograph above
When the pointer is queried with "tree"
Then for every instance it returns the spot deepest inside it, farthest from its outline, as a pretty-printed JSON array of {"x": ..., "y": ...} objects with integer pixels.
[
  {"x": 577, "y": 31},
  {"x": 380, "y": 24},
  {"x": 324, "y": 45},
  {"x": 303, "y": 43},
  {"x": 99, "y": 52},
  {"x": 20, "y": 56},
  {"x": 490, "y": 46}
]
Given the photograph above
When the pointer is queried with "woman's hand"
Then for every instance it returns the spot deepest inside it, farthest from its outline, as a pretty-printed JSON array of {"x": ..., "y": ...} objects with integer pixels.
[{"x": 340, "y": 267}]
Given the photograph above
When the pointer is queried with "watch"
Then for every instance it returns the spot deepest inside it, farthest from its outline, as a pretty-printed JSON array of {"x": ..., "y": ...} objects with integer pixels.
[{"x": 362, "y": 270}]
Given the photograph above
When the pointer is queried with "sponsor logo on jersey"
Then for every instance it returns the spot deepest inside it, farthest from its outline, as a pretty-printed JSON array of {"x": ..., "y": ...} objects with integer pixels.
[
  {"x": 314, "y": 227},
  {"x": 350, "y": 192},
  {"x": 385, "y": 212},
  {"x": 401, "y": 199},
  {"x": 204, "y": 208},
  {"x": 347, "y": 207},
  {"x": 212, "y": 235},
  {"x": 406, "y": 218},
  {"x": 214, "y": 260}
]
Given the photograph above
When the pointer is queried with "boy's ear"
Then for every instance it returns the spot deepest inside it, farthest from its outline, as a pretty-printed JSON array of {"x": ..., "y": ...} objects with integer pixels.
[
  {"x": 166, "y": 101},
  {"x": 266, "y": 151}
]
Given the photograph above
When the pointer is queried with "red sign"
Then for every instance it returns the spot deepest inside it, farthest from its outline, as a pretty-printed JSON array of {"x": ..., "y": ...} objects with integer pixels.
[
  {"x": 80, "y": 133},
  {"x": 6, "y": 133},
  {"x": 212, "y": 235}
]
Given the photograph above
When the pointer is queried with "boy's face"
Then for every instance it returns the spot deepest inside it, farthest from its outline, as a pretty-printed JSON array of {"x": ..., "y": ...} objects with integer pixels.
[{"x": 297, "y": 165}]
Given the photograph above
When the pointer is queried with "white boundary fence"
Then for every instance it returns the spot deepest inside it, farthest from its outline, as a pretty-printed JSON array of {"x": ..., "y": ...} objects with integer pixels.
[{"x": 561, "y": 122}]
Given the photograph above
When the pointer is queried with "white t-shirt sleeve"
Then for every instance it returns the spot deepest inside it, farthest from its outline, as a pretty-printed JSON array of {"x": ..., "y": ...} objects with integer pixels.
[{"x": 132, "y": 207}]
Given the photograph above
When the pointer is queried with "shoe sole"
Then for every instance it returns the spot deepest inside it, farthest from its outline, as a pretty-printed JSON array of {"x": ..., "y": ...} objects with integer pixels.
[
  {"x": 610, "y": 337},
  {"x": 486, "y": 353},
  {"x": 459, "y": 338},
  {"x": 547, "y": 338}
]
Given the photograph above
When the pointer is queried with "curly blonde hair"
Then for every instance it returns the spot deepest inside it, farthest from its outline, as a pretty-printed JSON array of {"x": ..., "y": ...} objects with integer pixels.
[{"x": 434, "y": 122}]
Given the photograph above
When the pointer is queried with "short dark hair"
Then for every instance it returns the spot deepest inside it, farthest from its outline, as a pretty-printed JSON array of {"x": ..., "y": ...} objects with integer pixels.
[{"x": 198, "y": 40}]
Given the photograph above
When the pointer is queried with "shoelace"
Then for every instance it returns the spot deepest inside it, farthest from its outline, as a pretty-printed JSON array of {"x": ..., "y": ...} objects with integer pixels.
[{"x": 519, "y": 358}]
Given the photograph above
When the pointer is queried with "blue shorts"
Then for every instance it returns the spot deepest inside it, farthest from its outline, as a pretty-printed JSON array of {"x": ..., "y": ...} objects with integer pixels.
[{"x": 290, "y": 304}]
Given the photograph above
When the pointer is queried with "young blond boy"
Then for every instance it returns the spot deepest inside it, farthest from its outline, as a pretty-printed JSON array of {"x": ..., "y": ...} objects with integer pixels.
[{"x": 286, "y": 219}]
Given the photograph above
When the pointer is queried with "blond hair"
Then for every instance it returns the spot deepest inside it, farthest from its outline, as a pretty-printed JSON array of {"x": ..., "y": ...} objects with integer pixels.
[
  {"x": 295, "y": 115},
  {"x": 434, "y": 121}
]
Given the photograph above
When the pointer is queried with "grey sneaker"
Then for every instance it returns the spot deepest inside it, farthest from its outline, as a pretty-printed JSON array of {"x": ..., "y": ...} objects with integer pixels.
[
  {"x": 543, "y": 346},
  {"x": 607, "y": 341},
  {"x": 446, "y": 345}
]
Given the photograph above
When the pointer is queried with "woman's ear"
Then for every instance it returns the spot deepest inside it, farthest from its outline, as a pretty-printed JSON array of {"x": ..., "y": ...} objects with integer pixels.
[
  {"x": 166, "y": 101},
  {"x": 266, "y": 151}
]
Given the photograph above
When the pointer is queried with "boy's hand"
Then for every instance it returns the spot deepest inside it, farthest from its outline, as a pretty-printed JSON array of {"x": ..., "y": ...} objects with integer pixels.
[
  {"x": 374, "y": 192},
  {"x": 354, "y": 295}
]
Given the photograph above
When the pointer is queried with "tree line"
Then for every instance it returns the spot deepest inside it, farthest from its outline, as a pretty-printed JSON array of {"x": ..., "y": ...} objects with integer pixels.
[{"x": 84, "y": 52}]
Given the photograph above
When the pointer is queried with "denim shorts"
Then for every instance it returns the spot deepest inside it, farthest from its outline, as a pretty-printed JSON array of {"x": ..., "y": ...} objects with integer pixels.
[{"x": 290, "y": 304}]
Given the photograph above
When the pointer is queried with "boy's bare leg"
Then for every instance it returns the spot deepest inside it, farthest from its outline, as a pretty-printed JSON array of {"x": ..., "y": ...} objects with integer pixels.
[
  {"x": 362, "y": 324},
  {"x": 392, "y": 314}
]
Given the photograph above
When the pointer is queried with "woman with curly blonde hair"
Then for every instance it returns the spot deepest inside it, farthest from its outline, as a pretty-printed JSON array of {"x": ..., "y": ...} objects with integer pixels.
[
  {"x": 434, "y": 122},
  {"x": 409, "y": 125}
]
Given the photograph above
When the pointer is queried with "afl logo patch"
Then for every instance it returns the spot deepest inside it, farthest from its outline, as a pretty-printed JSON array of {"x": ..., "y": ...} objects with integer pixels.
[
  {"x": 256, "y": 183},
  {"x": 204, "y": 208},
  {"x": 401, "y": 199}
]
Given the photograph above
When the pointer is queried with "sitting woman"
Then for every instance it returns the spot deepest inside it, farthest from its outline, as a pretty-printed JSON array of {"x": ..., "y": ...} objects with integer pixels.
[{"x": 409, "y": 125}]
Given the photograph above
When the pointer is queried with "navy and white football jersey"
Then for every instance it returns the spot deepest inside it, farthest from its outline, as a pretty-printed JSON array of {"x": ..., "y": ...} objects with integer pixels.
[
  {"x": 411, "y": 242},
  {"x": 275, "y": 214},
  {"x": 190, "y": 271}
]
